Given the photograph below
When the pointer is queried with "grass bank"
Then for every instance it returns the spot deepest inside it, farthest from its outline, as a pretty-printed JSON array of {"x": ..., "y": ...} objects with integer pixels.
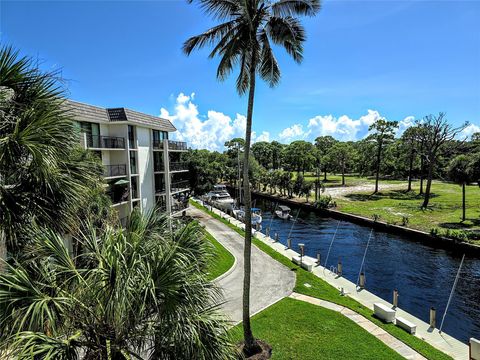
[
  {"x": 221, "y": 261},
  {"x": 322, "y": 290},
  {"x": 304, "y": 331},
  {"x": 403, "y": 208}
]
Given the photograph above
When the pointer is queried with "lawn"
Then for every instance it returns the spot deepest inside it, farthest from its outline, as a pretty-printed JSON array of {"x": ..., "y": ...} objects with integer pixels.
[
  {"x": 322, "y": 290},
  {"x": 305, "y": 331},
  {"x": 444, "y": 210},
  {"x": 222, "y": 260}
]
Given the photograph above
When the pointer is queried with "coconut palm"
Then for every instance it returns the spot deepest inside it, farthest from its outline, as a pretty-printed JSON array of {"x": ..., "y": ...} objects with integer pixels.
[
  {"x": 44, "y": 176},
  {"x": 134, "y": 293},
  {"x": 244, "y": 39}
]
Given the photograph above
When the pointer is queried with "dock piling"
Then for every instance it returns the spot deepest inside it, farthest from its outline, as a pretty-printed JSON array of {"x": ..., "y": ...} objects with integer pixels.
[
  {"x": 433, "y": 317},
  {"x": 395, "y": 298}
]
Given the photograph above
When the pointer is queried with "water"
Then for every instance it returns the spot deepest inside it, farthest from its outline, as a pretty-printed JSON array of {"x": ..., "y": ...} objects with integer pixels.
[{"x": 423, "y": 275}]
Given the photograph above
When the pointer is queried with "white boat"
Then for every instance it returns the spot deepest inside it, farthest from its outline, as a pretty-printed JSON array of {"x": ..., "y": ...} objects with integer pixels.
[
  {"x": 256, "y": 215},
  {"x": 220, "y": 198},
  {"x": 283, "y": 212}
]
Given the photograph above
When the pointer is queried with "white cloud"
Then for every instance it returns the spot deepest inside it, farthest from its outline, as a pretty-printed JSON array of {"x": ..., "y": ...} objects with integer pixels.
[
  {"x": 202, "y": 132},
  {"x": 405, "y": 124},
  {"x": 264, "y": 136},
  {"x": 210, "y": 131},
  {"x": 469, "y": 131},
  {"x": 288, "y": 134},
  {"x": 347, "y": 129}
]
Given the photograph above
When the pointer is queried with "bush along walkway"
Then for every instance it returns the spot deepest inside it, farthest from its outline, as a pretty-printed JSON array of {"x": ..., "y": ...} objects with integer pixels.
[{"x": 310, "y": 284}]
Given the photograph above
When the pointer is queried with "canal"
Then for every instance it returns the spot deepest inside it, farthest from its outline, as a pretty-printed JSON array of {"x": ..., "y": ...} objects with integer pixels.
[{"x": 422, "y": 274}]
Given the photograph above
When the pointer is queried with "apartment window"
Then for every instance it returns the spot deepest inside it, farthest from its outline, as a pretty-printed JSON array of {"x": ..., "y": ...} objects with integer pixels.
[
  {"x": 133, "y": 162},
  {"x": 158, "y": 161},
  {"x": 159, "y": 183},
  {"x": 159, "y": 135},
  {"x": 131, "y": 137},
  {"x": 134, "y": 187}
]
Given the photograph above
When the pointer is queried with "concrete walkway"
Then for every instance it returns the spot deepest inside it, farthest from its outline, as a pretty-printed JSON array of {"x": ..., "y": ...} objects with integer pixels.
[
  {"x": 270, "y": 280},
  {"x": 389, "y": 340}
]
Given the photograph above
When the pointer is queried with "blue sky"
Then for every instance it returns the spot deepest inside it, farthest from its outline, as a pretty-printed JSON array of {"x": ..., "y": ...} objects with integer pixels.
[{"x": 363, "y": 59}]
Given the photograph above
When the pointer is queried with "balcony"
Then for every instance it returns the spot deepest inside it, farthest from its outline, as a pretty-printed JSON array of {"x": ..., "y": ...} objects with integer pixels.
[
  {"x": 118, "y": 196},
  {"x": 180, "y": 185},
  {"x": 115, "y": 170},
  {"x": 105, "y": 142},
  {"x": 178, "y": 166},
  {"x": 177, "y": 145},
  {"x": 157, "y": 144}
]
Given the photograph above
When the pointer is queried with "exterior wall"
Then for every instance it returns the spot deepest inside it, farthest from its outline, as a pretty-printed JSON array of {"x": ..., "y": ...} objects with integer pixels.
[{"x": 145, "y": 168}]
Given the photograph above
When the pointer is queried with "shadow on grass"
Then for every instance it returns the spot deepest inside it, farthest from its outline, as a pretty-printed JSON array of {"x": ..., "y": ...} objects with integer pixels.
[
  {"x": 461, "y": 225},
  {"x": 392, "y": 195}
]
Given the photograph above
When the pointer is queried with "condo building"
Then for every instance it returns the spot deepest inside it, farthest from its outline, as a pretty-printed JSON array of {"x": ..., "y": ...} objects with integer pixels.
[{"x": 142, "y": 166}]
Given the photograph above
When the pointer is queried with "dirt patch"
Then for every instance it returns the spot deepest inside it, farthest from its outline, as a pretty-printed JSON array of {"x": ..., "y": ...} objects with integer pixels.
[
  {"x": 341, "y": 192},
  {"x": 264, "y": 351}
]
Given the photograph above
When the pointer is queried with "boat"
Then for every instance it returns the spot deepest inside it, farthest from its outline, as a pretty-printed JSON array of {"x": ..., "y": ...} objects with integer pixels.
[
  {"x": 283, "y": 212},
  {"x": 256, "y": 215},
  {"x": 220, "y": 198}
]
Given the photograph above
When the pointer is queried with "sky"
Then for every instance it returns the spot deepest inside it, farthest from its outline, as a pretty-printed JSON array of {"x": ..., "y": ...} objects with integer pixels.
[{"x": 400, "y": 60}]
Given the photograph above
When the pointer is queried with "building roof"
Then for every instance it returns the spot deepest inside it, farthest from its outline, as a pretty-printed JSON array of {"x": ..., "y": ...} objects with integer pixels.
[{"x": 91, "y": 113}]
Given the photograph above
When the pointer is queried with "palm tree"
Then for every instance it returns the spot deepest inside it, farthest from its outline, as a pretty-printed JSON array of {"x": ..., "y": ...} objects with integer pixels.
[
  {"x": 244, "y": 39},
  {"x": 461, "y": 172},
  {"x": 44, "y": 176},
  {"x": 132, "y": 294}
]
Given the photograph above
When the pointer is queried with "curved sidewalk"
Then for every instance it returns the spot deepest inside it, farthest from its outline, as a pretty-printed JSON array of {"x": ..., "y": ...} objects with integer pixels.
[{"x": 270, "y": 280}]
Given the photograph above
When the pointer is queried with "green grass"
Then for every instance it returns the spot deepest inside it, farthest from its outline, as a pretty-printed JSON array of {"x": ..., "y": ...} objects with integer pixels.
[
  {"x": 322, "y": 290},
  {"x": 305, "y": 331},
  {"x": 444, "y": 210},
  {"x": 222, "y": 260}
]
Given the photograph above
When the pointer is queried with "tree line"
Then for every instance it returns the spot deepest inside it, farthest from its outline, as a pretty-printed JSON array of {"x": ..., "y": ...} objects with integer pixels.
[{"x": 431, "y": 149}]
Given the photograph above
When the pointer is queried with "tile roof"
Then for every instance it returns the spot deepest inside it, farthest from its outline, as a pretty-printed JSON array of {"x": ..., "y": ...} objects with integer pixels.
[{"x": 91, "y": 113}]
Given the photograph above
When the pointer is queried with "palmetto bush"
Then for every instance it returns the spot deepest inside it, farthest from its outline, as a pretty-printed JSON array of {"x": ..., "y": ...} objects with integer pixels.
[
  {"x": 44, "y": 175},
  {"x": 138, "y": 293}
]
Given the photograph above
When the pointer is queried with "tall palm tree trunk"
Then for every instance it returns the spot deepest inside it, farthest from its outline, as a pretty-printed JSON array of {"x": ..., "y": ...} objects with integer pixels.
[
  {"x": 377, "y": 175},
  {"x": 463, "y": 202},
  {"x": 250, "y": 342},
  {"x": 421, "y": 174},
  {"x": 410, "y": 170},
  {"x": 343, "y": 174}
]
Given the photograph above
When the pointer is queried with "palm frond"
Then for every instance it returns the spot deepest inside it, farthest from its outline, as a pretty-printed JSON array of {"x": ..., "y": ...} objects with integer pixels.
[
  {"x": 269, "y": 70},
  {"x": 208, "y": 37},
  {"x": 289, "y": 33},
  {"x": 296, "y": 7}
]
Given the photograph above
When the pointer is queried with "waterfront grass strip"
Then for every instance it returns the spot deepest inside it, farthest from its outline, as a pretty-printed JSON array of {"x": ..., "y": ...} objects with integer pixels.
[
  {"x": 322, "y": 290},
  {"x": 221, "y": 261},
  {"x": 309, "y": 332}
]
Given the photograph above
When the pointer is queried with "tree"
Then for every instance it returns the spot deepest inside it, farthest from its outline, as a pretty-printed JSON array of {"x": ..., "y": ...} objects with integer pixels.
[
  {"x": 143, "y": 289},
  {"x": 299, "y": 156},
  {"x": 342, "y": 153},
  {"x": 324, "y": 144},
  {"x": 263, "y": 152},
  {"x": 410, "y": 140},
  {"x": 277, "y": 149},
  {"x": 44, "y": 175},
  {"x": 383, "y": 132},
  {"x": 436, "y": 131},
  {"x": 460, "y": 171},
  {"x": 244, "y": 39}
]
